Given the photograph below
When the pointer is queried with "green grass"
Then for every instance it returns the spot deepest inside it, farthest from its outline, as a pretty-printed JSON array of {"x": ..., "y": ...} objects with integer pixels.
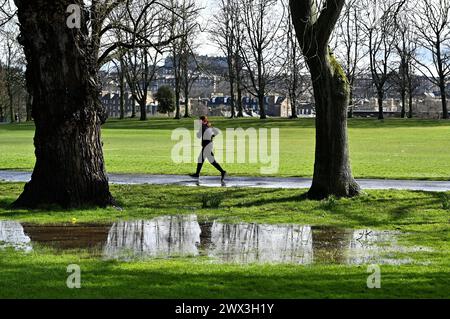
[
  {"x": 422, "y": 216},
  {"x": 410, "y": 149},
  {"x": 395, "y": 148},
  {"x": 388, "y": 209},
  {"x": 43, "y": 275}
]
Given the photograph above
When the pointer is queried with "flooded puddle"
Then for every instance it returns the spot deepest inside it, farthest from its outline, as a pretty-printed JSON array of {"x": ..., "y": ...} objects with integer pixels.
[{"x": 185, "y": 236}]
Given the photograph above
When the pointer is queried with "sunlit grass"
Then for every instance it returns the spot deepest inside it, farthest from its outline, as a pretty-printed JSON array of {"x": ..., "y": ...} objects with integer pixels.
[{"x": 395, "y": 148}]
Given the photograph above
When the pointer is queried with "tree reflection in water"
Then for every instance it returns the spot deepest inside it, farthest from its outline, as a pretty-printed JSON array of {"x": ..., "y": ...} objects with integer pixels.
[
  {"x": 159, "y": 237},
  {"x": 181, "y": 236},
  {"x": 250, "y": 243},
  {"x": 13, "y": 235}
]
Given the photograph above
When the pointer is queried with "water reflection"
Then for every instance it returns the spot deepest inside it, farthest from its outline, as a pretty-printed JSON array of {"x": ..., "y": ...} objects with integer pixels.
[
  {"x": 174, "y": 236},
  {"x": 68, "y": 236},
  {"x": 249, "y": 243},
  {"x": 12, "y": 235},
  {"x": 160, "y": 237}
]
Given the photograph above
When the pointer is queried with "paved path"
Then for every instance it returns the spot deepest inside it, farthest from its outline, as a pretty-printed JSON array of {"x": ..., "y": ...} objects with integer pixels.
[{"x": 263, "y": 182}]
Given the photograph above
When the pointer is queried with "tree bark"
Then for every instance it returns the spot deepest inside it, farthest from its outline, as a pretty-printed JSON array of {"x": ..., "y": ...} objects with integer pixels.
[
  {"x": 186, "y": 99},
  {"x": 122, "y": 89},
  {"x": 403, "y": 112},
  {"x": 240, "y": 111},
  {"x": 177, "y": 104},
  {"x": 62, "y": 74},
  {"x": 411, "y": 114},
  {"x": 261, "y": 104},
  {"x": 351, "y": 103},
  {"x": 11, "y": 105},
  {"x": 142, "y": 107},
  {"x": 380, "y": 105},
  {"x": 29, "y": 107},
  {"x": 444, "y": 101},
  {"x": 231, "y": 82},
  {"x": 332, "y": 172}
]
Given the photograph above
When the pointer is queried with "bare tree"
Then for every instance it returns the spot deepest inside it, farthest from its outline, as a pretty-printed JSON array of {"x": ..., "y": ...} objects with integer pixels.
[
  {"x": 223, "y": 34},
  {"x": 189, "y": 64},
  {"x": 227, "y": 33},
  {"x": 406, "y": 46},
  {"x": 380, "y": 29},
  {"x": 314, "y": 22},
  {"x": 141, "y": 63},
  {"x": 259, "y": 49},
  {"x": 182, "y": 29},
  {"x": 349, "y": 38},
  {"x": 432, "y": 22},
  {"x": 7, "y": 12},
  {"x": 13, "y": 76},
  {"x": 293, "y": 78}
]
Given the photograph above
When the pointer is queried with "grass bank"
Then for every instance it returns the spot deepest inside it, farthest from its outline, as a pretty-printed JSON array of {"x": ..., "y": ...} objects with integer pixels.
[{"x": 424, "y": 217}]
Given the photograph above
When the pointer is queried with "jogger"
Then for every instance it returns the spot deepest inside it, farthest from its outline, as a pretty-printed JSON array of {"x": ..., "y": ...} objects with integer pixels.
[{"x": 207, "y": 134}]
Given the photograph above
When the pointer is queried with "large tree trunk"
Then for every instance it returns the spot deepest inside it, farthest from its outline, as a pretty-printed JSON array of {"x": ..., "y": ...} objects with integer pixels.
[
  {"x": 62, "y": 74},
  {"x": 332, "y": 172}
]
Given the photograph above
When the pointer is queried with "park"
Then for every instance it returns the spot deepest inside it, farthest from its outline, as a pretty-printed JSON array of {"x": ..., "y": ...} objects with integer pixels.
[
  {"x": 257, "y": 149},
  {"x": 420, "y": 217}
]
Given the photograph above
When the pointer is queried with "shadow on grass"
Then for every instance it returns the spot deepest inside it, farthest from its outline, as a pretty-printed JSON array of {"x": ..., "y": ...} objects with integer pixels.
[
  {"x": 277, "y": 200},
  {"x": 164, "y": 279}
]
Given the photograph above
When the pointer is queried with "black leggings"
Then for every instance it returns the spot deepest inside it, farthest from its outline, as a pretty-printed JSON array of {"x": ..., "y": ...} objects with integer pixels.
[{"x": 209, "y": 155}]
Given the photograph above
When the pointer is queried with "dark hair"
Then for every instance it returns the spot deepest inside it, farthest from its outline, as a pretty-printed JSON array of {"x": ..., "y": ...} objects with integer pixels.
[{"x": 205, "y": 118}]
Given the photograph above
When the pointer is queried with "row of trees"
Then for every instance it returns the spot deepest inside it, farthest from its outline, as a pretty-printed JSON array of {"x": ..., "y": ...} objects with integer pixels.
[
  {"x": 393, "y": 41},
  {"x": 167, "y": 28},
  {"x": 257, "y": 38},
  {"x": 14, "y": 99},
  {"x": 63, "y": 65},
  {"x": 400, "y": 40},
  {"x": 132, "y": 36}
]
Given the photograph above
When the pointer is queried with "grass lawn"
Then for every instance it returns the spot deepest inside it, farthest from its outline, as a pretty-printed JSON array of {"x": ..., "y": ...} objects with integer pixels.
[
  {"x": 423, "y": 217},
  {"x": 395, "y": 148}
]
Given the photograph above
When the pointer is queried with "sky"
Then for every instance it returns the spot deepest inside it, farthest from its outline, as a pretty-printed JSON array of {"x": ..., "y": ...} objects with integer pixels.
[{"x": 205, "y": 45}]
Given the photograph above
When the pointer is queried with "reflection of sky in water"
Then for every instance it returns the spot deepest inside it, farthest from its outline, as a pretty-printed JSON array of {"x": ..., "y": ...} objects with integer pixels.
[
  {"x": 174, "y": 236},
  {"x": 13, "y": 235},
  {"x": 162, "y": 236},
  {"x": 249, "y": 243},
  {"x": 372, "y": 246}
]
